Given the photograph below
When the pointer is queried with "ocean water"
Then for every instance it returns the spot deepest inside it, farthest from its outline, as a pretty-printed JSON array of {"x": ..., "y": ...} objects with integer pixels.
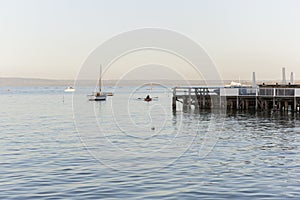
[{"x": 56, "y": 145}]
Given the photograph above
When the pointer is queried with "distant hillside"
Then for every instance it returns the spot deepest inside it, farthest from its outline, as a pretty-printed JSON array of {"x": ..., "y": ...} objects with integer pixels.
[
  {"x": 33, "y": 82},
  {"x": 49, "y": 82}
]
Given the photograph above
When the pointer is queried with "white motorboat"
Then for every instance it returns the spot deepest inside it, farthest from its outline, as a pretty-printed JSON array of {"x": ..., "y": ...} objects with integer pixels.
[
  {"x": 69, "y": 89},
  {"x": 236, "y": 85}
]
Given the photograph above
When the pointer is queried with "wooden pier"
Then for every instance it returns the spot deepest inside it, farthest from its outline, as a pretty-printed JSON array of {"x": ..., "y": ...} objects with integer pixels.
[{"x": 259, "y": 98}]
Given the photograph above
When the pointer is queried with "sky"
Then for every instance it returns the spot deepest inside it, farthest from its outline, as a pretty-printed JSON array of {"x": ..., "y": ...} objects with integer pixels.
[{"x": 53, "y": 38}]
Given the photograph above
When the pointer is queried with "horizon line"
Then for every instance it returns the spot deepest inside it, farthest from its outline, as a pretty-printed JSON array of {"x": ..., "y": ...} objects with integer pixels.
[{"x": 50, "y": 79}]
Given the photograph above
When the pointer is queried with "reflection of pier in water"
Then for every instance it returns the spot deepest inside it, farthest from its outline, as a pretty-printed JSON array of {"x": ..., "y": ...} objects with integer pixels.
[{"x": 285, "y": 97}]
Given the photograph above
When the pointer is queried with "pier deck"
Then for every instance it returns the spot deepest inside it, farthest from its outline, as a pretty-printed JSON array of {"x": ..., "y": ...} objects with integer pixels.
[{"x": 260, "y": 98}]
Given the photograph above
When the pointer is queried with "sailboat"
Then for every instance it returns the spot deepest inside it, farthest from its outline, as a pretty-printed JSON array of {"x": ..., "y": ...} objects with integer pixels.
[{"x": 98, "y": 96}]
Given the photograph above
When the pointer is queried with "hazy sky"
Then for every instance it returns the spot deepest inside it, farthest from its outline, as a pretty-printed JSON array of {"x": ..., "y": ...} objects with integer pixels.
[{"x": 52, "y": 38}]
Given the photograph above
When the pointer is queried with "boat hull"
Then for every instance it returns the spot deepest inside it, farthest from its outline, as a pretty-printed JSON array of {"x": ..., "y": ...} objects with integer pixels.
[
  {"x": 98, "y": 98},
  {"x": 69, "y": 90}
]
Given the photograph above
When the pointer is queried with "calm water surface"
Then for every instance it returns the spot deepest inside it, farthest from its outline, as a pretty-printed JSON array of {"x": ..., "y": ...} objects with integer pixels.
[{"x": 130, "y": 149}]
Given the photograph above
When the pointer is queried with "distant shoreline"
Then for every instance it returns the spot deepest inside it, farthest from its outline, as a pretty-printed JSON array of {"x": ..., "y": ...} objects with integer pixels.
[
  {"x": 9, "y": 82},
  {"x": 33, "y": 82}
]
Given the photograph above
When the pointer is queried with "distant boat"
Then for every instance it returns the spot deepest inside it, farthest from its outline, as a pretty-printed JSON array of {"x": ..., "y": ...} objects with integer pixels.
[
  {"x": 69, "y": 89},
  {"x": 148, "y": 98},
  {"x": 98, "y": 96},
  {"x": 109, "y": 94},
  {"x": 235, "y": 85}
]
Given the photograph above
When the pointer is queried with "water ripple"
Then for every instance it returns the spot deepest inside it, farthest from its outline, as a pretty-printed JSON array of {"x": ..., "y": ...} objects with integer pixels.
[{"x": 42, "y": 157}]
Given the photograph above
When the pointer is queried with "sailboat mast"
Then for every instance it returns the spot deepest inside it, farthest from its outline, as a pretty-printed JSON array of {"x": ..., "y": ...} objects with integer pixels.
[{"x": 100, "y": 79}]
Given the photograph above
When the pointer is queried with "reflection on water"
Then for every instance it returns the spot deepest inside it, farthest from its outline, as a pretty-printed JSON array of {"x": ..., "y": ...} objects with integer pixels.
[{"x": 251, "y": 155}]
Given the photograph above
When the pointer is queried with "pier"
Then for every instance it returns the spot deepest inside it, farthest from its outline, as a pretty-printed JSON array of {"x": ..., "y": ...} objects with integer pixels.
[{"x": 272, "y": 97}]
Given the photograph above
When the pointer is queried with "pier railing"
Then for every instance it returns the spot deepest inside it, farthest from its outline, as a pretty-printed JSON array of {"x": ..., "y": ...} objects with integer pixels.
[
  {"x": 192, "y": 91},
  {"x": 268, "y": 92}
]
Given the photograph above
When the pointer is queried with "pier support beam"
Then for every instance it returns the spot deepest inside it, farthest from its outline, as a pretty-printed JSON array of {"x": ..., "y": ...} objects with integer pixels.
[
  {"x": 286, "y": 106},
  {"x": 256, "y": 103},
  {"x": 185, "y": 103},
  {"x": 247, "y": 104},
  {"x": 174, "y": 103},
  {"x": 174, "y": 99},
  {"x": 280, "y": 106},
  {"x": 266, "y": 105},
  {"x": 190, "y": 98}
]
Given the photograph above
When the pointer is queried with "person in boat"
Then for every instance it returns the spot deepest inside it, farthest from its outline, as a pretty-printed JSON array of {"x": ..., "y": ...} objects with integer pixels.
[{"x": 148, "y": 97}]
